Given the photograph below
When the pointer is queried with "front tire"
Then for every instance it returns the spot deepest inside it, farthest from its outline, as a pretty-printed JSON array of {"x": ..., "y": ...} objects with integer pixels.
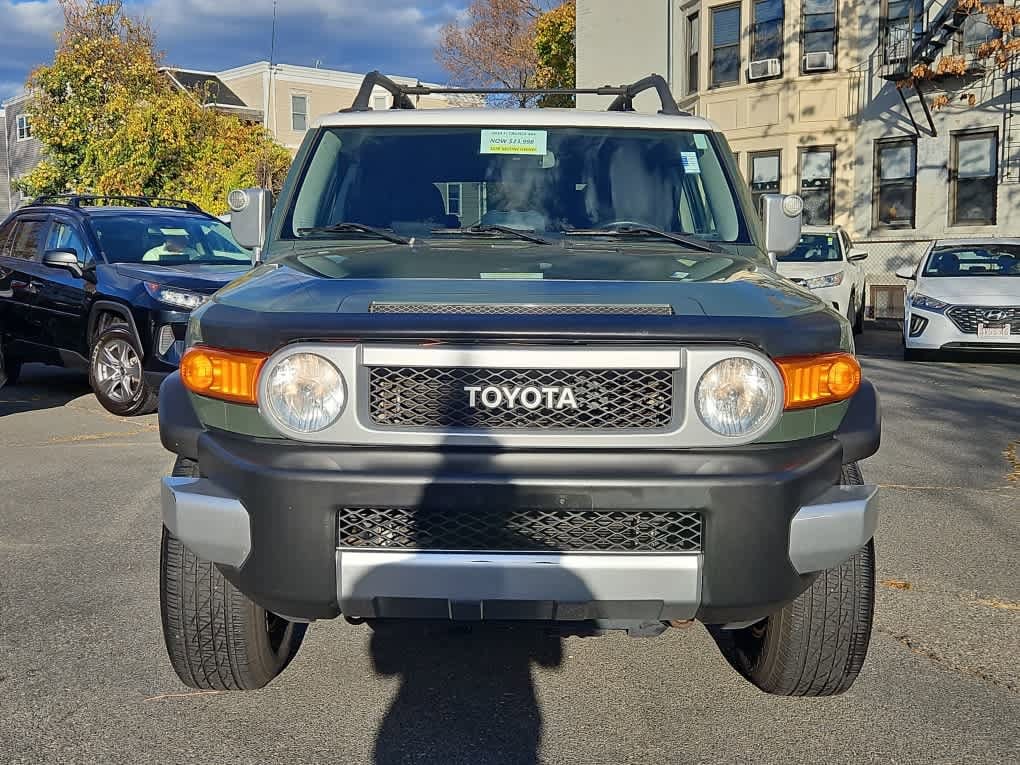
[
  {"x": 216, "y": 637},
  {"x": 116, "y": 376},
  {"x": 817, "y": 644}
]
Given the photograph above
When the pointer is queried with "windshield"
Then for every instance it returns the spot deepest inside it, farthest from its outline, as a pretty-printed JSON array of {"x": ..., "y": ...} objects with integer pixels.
[
  {"x": 986, "y": 260},
  {"x": 432, "y": 182},
  {"x": 172, "y": 239},
  {"x": 814, "y": 248}
]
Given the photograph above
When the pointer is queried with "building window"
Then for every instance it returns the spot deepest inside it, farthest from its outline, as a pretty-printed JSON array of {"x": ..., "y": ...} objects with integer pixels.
[
  {"x": 24, "y": 128},
  {"x": 765, "y": 173},
  {"x": 816, "y": 187},
  {"x": 380, "y": 103},
  {"x": 818, "y": 36},
  {"x": 767, "y": 34},
  {"x": 896, "y": 183},
  {"x": 453, "y": 199},
  {"x": 973, "y": 179},
  {"x": 725, "y": 45},
  {"x": 902, "y": 22},
  {"x": 299, "y": 113},
  {"x": 693, "y": 47}
]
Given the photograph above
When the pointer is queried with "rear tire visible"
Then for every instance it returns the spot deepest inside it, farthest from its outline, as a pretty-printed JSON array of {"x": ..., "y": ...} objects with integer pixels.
[
  {"x": 858, "y": 320},
  {"x": 216, "y": 637},
  {"x": 817, "y": 644},
  {"x": 116, "y": 375}
]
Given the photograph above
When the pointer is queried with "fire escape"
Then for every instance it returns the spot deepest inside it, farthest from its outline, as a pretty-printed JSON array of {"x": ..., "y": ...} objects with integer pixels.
[{"x": 918, "y": 39}]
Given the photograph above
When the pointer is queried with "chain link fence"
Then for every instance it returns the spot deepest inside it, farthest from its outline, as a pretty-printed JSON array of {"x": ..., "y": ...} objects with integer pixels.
[{"x": 883, "y": 290}]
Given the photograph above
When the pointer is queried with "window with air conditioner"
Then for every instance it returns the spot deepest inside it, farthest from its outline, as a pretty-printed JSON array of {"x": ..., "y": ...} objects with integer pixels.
[
  {"x": 818, "y": 36},
  {"x": 766, "y": 40}
]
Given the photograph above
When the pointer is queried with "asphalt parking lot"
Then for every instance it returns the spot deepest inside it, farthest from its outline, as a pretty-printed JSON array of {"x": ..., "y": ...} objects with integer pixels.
[{"x": 84, "y": 677}]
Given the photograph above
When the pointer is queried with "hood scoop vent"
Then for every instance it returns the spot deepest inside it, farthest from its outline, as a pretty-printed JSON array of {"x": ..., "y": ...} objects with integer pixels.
[{"x": 523, "y": 309}]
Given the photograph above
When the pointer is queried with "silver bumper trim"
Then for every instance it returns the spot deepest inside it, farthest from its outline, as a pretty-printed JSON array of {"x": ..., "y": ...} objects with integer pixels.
[
  {"x": 570, "y": 586},
  {"x": 827, "y": 532},
  {"x": 210, "y": 522}
]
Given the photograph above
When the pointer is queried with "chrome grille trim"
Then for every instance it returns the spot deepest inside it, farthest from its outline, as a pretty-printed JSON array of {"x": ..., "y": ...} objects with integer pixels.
[
  {"x": 967, "y": 317},
  {"x": 522, "y": 309}
]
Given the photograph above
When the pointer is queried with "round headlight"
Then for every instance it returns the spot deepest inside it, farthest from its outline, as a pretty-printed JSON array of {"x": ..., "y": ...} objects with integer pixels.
[
  {"x": 305, "y": 393},
  {"x": 237, "y": 200},
  {"x": 793, "y": 205},
  {"x": 735, "y": 397}
]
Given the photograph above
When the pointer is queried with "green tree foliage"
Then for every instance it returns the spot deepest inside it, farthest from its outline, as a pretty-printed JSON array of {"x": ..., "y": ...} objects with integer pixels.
[
  {"x": 555, "y": 33},
  {"x": 111, "y": 123}
]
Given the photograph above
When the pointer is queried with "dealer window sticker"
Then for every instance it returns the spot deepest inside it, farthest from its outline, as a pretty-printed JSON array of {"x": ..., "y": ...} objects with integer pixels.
[
  {"x": 526, "y": 142},
  {"x": 690, "y": 162}
]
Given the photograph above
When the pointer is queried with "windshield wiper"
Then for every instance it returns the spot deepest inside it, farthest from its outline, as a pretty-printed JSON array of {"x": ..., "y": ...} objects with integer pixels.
[
  {"x": 494, "y": 229},
  {"x": 354, "y": 228},
  {"x": 642, "y": 230}
]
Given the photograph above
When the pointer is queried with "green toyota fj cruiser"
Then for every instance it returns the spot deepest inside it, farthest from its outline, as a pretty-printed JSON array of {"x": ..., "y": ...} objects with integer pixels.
[{"x": 529, "y": 365}]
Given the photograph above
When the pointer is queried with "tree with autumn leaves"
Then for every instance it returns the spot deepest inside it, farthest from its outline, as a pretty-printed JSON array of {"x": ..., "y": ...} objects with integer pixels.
[
  {"x": 997, "y": 54},
  {"x": 512, "y": 44},
  {"x": 111, "y": 123}
]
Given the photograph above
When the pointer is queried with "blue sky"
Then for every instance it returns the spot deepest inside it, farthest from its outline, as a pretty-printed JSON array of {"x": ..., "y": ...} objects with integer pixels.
[{"x": 396, "y": 36}]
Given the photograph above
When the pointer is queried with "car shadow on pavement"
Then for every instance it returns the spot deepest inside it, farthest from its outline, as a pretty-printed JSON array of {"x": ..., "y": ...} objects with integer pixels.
[
  {"x": 43, "y": 387},
  {"x": 466, "y": 693}
]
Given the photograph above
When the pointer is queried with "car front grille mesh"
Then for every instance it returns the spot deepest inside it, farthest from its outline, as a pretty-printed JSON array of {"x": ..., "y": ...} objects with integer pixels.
[
  {"x": 520, "y": 530},
  {"x": 967, "y": 317},
  {"x": 437, "y": 397},
  {"x": 522, "y": 309}
]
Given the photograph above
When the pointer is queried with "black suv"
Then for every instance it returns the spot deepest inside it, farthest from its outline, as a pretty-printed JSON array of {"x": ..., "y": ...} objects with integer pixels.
[{"x": 107, "y": 284}]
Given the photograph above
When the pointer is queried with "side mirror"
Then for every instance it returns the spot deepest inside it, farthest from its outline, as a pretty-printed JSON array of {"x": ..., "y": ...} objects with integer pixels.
[
  {"x": 856, "y": 254},
  {"x": 782, "y": 216},
  {"x": 905, "y": 273},
  {"x": 64, "y": 258},
  {"x": 250, "y": 210}
]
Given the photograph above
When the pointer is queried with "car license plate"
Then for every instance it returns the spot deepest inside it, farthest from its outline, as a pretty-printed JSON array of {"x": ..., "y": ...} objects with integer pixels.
[{"x": 986, "y": 330}]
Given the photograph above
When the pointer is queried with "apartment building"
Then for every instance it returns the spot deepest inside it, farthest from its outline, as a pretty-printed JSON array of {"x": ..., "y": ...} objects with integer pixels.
[{"x": 814, "y": 98}]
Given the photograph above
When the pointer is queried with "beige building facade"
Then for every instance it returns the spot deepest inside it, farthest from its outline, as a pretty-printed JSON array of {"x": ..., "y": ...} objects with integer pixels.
[
  {"x": 814, "y": 98},
  {"x": 291, "y": 97}
]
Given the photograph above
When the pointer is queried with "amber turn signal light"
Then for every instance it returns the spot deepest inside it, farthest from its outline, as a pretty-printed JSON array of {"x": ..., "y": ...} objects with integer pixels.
[
  {"x": 226, "y": 375},
  {"x": 816, "y": 380}
]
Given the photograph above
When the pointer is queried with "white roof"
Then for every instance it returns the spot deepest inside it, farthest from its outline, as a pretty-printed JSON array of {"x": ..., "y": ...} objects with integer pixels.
[
  {"x": 820, "y": 229},
  {"x": 968, "y": 241},
  {"x": 515, "y": 118}
]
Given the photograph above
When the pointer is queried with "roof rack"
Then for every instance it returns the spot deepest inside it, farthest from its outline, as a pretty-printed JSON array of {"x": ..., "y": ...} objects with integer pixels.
[
  {"x": 624, "y": 101},
  {"x": 87, "y": 200}
]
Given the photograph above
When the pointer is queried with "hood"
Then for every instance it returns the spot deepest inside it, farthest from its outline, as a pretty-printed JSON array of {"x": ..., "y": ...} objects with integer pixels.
[
  {"x": 971, "y": 290},
  {"x": 302, "y": 297},
  {"x": 716, "y": 285},
  {"x": 196, "y": 277},
  {"x": 809, "y": 270}
]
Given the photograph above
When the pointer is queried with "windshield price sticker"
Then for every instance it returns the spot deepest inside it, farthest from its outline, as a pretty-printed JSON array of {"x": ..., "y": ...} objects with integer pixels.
[
  {"x": 690, "y": 162},
  {"x": 528, "y": 142}
]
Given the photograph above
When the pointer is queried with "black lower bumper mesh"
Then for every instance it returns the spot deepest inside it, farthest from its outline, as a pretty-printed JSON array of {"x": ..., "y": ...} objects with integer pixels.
[{"x": 520, "y": 530}]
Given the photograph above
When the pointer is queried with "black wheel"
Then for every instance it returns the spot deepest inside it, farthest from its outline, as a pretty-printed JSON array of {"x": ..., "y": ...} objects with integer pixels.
[
  {"x": 816, "y": 645},
  {"x": 115, "y": 373},
  {"x": 10, "y": 370},
  {"x": 858, "y": 320},
  {"x": 216, "y": 638}
]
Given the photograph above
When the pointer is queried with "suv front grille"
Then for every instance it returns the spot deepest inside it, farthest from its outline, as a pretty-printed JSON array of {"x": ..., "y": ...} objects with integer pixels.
[
  {"x": 521, "y": 530},
  {"x": 967, "y": 317},
  {"x": 436, "y": 397},
  {"x": 521, "y": 309}
]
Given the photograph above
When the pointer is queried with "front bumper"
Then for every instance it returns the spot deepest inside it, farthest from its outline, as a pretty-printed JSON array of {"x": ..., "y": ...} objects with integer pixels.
[
  {"x": 267, "y": 513},
  {"x": 929, "y": 330}
]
